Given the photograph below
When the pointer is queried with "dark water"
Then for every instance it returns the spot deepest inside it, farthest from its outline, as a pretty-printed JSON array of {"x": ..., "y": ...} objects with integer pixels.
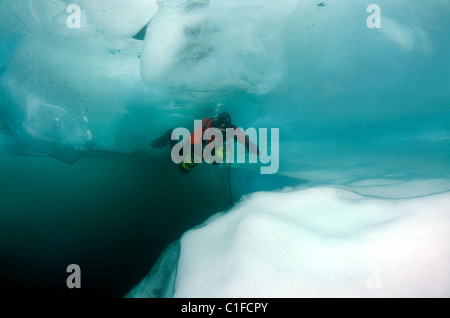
[{"x": 112, "y": 215}]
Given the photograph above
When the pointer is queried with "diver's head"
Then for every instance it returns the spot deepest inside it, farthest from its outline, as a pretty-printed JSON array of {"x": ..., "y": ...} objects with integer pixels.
[{"x": 223, "y": 121}]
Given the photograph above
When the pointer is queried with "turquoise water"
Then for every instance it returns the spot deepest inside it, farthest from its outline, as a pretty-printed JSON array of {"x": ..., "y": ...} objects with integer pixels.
[{"x": 79, "y": 182}]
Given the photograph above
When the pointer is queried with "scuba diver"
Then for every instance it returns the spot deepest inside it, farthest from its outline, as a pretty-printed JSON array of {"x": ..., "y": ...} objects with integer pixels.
[{"x": 221, "y": 122}]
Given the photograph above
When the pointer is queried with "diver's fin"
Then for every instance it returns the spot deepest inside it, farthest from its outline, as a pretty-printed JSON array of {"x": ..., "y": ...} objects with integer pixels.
[{"x": 162, "y": 141}]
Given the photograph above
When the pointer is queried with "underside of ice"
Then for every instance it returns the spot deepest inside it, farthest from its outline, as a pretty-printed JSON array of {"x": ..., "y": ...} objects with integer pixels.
[{"x": 305, "y": 65}]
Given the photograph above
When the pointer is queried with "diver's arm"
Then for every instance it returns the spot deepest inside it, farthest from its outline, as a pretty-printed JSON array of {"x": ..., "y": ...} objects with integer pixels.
[
  {"x": 198, "y": 132},
  {"x": 240, "y": 135}
]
